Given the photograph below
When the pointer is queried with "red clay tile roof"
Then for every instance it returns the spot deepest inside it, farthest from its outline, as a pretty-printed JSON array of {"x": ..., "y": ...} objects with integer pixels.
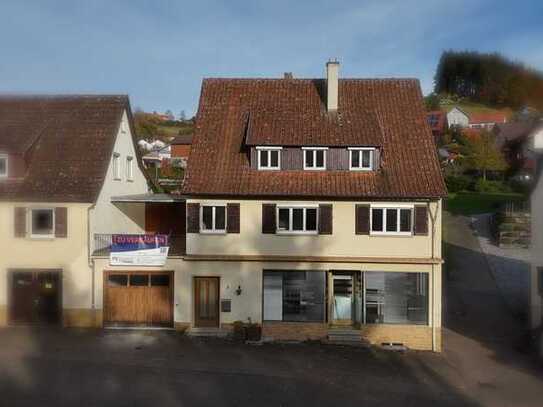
[
  {"x": 388, "y": 113},
  {"x": 67, "y": 142},
  {"x": 481, "y": 118}
]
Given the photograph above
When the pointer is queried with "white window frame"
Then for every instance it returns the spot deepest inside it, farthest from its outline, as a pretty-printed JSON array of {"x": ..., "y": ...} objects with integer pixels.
[
  {"x": 116, "y": 166},
  {"x": 385, "y": 207},
  {"x": 30, "y": 219},
  {"x": 267, "y": 149},
  {"x": 130, "y": 168},
  {"x": 360, "y": 167},
  {"x": 304, "y": 220},
  {"x": 5, "y": 157},
  {"x": 213, "y": 230},
  {"x": 314, "y": 167}
]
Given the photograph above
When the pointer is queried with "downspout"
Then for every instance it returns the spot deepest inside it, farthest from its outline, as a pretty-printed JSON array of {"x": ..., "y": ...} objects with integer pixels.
[
  {"x": 89, "y": 257},
  {"x": 433, "y": 218}
]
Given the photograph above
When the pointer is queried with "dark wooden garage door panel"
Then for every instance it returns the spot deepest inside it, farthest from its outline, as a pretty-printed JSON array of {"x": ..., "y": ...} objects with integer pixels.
[
  {"x": 146, "y": 299},
  {"x": 35, "y": 296}
]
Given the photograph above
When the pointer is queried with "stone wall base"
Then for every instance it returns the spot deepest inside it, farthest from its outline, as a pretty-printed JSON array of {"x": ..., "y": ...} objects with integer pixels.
[
  {"x": 413, "y": 336},
  {"x": 294, "y": 331},
  {"x": 82, "y": 318},
  {"x": 181, "y": 326}
]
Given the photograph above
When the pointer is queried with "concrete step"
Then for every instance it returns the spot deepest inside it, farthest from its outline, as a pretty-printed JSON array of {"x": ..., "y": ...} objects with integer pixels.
[
  {"x": 210, "y": 332},
  {"x": 344, "y": 336}
]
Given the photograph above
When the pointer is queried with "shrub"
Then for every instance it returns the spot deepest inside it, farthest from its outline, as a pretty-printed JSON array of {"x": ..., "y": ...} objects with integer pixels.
[
  {"x": 457, "y": 183},
  {"x": 487, "y": 186}
]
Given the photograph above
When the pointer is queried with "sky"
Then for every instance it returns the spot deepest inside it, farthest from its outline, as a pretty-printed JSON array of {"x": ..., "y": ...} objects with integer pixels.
[{"x": 159, "y": 51}]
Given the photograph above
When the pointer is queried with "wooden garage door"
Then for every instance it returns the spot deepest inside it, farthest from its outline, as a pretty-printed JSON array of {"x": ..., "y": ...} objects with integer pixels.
[{"x": 138, "y": 298}]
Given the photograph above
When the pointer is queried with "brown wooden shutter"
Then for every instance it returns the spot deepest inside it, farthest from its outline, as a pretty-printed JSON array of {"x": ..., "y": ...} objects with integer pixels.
[
  {"x": 362, "y": 219},
  {"x": 325, "y": 219},
  {"x": 20, "y": 222},
  {"x": 376, "y": 159},
  {"x": 61, "y": 222},
  {"x": 232, "y": 214},
  {"x": 193, "y": 218},
  {"x": 268, "y": 218},
  {"x": 421, "y": 220}
]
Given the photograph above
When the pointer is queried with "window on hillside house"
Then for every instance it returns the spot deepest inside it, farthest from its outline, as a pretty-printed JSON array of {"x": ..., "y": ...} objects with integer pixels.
[
  {"x": 361, "y": 159},
  {"x": 42, "y": 222},
  {"x": 396, "y": 298},
  {"x": 129, "y": 169},
  {"x": 116, "y": 166},
  {"x": 294, "y": 296},
  {"x": 213, "y": 219},
  {"x": 296, "y": 219},
  {"x": 269, "y": 158},
  {"x": 3, "y": 165},
  {"x": 314, "y": 158},
  {"x": 398, "y": 221}
]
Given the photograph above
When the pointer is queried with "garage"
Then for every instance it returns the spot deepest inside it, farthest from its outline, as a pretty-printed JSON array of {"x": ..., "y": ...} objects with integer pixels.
[
  {"x": 34, "y": 296},
  {"x": 138, "y": 298}
]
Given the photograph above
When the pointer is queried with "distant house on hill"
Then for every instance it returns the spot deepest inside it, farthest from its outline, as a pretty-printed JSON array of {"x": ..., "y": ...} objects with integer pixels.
[
  {"x": 437, "y": 120},
  {"x": 457, "y": 117},
  {"x": 486, "y": 120},
  {"x": 460, "y": 118}
]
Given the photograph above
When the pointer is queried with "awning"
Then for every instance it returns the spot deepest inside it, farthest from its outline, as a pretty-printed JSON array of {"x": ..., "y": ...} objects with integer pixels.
[{"x": 149, "y": 198}]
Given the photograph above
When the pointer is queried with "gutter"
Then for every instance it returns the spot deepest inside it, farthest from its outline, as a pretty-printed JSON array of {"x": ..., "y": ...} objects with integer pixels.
[{"x": 90, "y": 260}]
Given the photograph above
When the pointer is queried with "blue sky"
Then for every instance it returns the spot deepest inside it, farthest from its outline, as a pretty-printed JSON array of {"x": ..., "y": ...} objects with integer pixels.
[{"x": 158, "y": 51}]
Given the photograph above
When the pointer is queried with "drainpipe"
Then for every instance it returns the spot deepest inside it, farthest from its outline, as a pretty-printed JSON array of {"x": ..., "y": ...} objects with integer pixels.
[{"x": 89, "y": 255}]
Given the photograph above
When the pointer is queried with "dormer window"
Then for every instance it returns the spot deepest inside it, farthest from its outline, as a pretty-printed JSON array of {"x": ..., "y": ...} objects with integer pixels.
[
  {"x": 361, "y": 159},
  {"x": 269, "y": 158},
  {"x": 314, "y": 158},
  {"x": 3, "y": 166}
]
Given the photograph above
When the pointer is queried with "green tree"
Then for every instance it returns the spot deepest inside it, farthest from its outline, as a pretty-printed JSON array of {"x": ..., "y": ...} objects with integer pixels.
[
  {"x": 432, "y": 102},
  {"x": 483, "y": 155}
]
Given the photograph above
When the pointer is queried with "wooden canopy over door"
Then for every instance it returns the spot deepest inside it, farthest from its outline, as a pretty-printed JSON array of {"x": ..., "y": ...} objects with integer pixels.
[
  {"x": 206, "y": 302},
  {"x": 138, "y": 298},
  {"x": 35, "y": 297}
]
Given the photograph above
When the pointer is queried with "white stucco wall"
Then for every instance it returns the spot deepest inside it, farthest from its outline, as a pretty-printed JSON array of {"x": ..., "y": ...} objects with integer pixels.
[
  {"x": 343, "y": 241},
  {"x": 120, "y": 218},
  {"x": 457, "y": 118}
]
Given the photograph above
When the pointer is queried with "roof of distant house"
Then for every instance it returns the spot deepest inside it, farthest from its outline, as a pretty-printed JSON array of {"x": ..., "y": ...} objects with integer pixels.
[
  {"x": 66, "y": 141},
  {"x": 183, "y": 139},
  {"x": 384, "y": 113},
  {"x": 490, "y": 117}
]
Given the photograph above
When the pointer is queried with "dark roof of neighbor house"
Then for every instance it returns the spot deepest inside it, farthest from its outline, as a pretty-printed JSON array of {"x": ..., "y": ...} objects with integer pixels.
[
  {"x": 66, "y": 142},
  {"x": 182, "y": 139},
  {"x": 515, "y": 130},
  {"x": 387, "y": 113}
]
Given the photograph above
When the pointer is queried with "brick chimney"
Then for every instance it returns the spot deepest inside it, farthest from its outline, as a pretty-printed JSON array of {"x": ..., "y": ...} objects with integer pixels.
[{"x": 332, "y": 76}]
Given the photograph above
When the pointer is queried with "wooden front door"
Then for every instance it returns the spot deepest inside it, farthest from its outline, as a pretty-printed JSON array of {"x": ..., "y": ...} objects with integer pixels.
[
  {"x": 206, "y": 301},
  {"x": 138, "y": 298},
  {"x": 35, "y": 297}
]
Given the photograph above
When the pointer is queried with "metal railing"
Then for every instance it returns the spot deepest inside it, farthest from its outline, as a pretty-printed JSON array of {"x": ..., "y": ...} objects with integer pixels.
[{"x": 103, "y": 241}]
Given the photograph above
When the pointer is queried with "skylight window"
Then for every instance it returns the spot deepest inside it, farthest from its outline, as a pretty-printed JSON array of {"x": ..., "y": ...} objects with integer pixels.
[{"x": 3, "y": 166}]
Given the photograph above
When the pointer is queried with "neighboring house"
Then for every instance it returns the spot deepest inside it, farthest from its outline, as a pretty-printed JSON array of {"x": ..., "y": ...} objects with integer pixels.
[
  {"x": 486, "y": 120},
  {"x": 62, "y": 158},
  {"x": 156, "y": 155},
  {"x": 180, "y": 147},
  {"x": 314, "y": 205},
  {"x": 457, "y": 117},
  {"x": 536, "y": 280},
  {"x": 515, "y": 141},
  {"x": 460, "y": 118},
  {"x": 437, "y": 120}
]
